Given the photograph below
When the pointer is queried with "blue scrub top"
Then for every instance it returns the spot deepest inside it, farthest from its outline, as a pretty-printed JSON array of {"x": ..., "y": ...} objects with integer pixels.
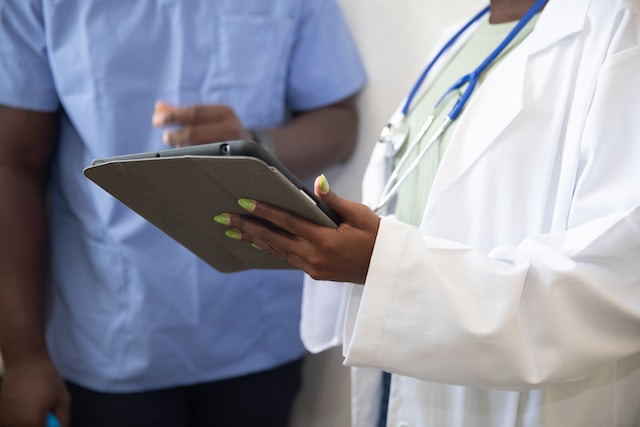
[{"x": 132, "y": 310}]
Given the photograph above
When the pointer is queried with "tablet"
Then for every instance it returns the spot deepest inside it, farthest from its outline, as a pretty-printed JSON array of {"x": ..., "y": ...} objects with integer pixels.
[{"x": 180, "y": 190}]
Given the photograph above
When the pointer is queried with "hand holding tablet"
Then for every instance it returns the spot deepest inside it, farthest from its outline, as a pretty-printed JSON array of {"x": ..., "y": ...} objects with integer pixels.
[{"x": 180, "y": 190}]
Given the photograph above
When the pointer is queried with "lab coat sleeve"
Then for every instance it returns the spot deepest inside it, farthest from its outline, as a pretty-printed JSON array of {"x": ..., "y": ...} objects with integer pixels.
[
  {"x": 323, "y": 310},
  {"x": 552, "y": 308}
]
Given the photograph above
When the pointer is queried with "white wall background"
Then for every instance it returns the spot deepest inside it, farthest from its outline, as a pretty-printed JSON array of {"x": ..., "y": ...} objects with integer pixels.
[{"x": 395, "y": 38}]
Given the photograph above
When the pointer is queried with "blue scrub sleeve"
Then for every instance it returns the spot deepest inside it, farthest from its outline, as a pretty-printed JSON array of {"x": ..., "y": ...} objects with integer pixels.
[
  {"x": 325, "y": 65},
  {"x": 25, "y": 77}
]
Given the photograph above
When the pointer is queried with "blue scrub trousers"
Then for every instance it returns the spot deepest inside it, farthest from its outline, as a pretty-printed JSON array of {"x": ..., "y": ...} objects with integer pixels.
[{"x": 262, "y": 399}]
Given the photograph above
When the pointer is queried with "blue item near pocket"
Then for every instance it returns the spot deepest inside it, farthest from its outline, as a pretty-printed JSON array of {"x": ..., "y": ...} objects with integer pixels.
[{"x": 52, "y": 421}]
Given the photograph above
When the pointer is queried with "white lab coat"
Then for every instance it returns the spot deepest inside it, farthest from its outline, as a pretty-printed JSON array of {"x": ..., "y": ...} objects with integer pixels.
[{"x": 517, "y": 301}]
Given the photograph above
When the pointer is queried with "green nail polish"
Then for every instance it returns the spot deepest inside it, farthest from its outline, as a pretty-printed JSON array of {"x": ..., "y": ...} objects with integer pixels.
[
  {"x": 233, "y": 234},
  {"x": 247, "y": 204},
  {"x": 253, "y": 245},
  {"x": 222, "y": 219},
  {"x": 324, "y": 184}
]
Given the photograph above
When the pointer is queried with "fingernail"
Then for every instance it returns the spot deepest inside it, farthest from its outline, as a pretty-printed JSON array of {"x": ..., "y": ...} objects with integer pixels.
[
  {"x": 159, "y": 118},
  {"x": 161, "y": 105},
  {"x": 324, "y": 184},
  {"x": 165, "y": 138},
  {"x": 253, "y": 245},
  {"x": 247, "y": 204},
  {"x": 222, "y": 219},
  {"x": 233, "y": 234}
]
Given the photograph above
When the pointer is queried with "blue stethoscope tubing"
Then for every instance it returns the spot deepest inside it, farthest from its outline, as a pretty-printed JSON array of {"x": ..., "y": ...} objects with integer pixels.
[
  {"x": 416, "y": 86},
  {"x": 396, "y": 131}
]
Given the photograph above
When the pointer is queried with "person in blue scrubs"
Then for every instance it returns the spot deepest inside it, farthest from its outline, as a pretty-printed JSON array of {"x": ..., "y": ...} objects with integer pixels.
[{"x": 141, "y": 332}]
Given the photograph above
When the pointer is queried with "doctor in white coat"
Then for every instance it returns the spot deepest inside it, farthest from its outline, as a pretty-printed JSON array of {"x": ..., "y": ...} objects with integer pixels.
[{"x": 516, "y": 299}]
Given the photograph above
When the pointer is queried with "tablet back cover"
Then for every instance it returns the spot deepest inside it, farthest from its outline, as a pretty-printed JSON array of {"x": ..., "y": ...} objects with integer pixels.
[{"x": 181, "y": 195}]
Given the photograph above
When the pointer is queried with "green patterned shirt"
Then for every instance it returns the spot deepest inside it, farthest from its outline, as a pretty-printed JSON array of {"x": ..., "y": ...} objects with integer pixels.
[{"x": 414, "y": 192}]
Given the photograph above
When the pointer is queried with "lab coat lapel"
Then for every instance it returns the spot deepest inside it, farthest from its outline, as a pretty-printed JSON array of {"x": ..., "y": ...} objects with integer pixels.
[{"x": 499, "y": 100}]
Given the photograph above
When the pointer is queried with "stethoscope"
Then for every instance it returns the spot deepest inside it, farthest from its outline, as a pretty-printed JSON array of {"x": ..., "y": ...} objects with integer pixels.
[{"x": 396, "y": 132}]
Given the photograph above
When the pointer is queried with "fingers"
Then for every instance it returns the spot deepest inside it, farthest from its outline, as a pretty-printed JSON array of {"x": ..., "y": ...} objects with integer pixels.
[
  {"x": 203, "y": 134},
  {"x": 326, "y": 253},
  {"x": 199, "y": 124},
  {"x": 162, "y": 106},
  {"x": 321, "y": 189},
  {"x": 274, "y": 241},
  {"x": 162, "y": 114},
  {"x": 339, "y": 254},
  {"x": 62, "y": 409},
  {"x": 165, "y": 114},
  {"x": 354, "y": 213},
  {"x": 288, "y": 235},
  {"x": 285, "y": 220}
]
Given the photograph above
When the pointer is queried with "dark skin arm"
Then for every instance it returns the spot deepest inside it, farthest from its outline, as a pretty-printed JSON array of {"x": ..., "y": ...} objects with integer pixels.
[
  {"x": 309, "y": 143},
  {"x": 31, "y": 385}
]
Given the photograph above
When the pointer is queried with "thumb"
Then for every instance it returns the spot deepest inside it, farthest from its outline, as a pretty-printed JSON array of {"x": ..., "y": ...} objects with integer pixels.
[{"x": 342, "y": 206}]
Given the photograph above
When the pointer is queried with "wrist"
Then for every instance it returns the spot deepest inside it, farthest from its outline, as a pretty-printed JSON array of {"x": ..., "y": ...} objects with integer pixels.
[{"x": 28, "y": 346}]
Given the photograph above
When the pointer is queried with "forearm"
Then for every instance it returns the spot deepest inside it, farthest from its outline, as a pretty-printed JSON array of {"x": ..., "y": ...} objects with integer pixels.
[
  {"x": 22, "y": 265},
  {"x": 315, "y": 140},
  {"x": 26, "y": 142}
]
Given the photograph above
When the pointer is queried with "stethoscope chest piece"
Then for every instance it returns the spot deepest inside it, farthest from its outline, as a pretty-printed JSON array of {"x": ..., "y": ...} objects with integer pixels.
[{"x": 394, "y": 134}]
